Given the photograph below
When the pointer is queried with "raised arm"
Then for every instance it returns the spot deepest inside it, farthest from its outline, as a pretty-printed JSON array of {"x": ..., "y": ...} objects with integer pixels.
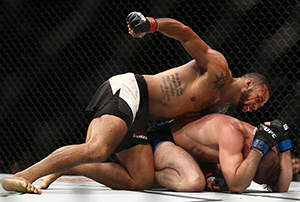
[
  {"x": 193, "y": 44},
  {"x": 139, "y": 25}
]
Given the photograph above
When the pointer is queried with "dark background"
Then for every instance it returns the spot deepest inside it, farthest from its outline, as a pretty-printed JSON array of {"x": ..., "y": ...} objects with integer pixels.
[{"x": 55, "y": 54}]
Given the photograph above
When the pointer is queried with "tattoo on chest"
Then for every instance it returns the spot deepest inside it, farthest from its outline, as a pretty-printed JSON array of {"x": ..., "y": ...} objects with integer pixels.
[
  {"x": 221, "y": 81},
  {"x": 171, "y": 86}
]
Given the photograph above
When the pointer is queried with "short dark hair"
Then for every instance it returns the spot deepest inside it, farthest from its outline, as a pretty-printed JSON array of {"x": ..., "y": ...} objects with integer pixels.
[{"x": 258, "y": 79}]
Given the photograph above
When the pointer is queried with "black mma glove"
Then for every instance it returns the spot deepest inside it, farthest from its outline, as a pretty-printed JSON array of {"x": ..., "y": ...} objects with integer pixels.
[
  {"x": 279, "y": 126},
  {"x": 219, "y": 181},
  {"x": 141, "y": 24},
  {"x": 265, "y": 138}
]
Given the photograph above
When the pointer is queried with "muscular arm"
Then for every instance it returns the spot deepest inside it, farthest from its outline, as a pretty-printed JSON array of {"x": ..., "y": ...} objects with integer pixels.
[
  {"x": 238, "y": 172},
  {"x": 204, "y": 56},
  {"x": 193, "y": 44},
  {"x": 286, "y": 172}
]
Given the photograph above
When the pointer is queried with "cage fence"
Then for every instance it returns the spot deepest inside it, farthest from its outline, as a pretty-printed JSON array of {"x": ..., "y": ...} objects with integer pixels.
[{"x": 55, "y": 54}]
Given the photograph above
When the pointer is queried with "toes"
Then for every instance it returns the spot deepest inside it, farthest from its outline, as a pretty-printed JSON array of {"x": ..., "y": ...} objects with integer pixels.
[
  {"x": 43, "y": 186},
  {"x": 38, "y": 191},
  {"x": 32, "y": 189},
  {"x": 29, "y": 188}
]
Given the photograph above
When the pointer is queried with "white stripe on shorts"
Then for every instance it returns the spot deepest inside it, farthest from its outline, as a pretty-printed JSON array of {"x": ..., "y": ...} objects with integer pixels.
[{"x": 129, "y": 90}]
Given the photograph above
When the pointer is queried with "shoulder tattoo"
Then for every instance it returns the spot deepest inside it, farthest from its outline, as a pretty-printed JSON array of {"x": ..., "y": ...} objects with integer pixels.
[{"x": 220, "y": 81}]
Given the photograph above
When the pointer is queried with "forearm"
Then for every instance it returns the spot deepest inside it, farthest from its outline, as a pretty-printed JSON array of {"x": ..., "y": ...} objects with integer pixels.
[
  {"x": 244, "y": 174},
  {"x": 286, "y": 174},
  {"x": 139, "y": 25},
  {"x": 174, "y": 29}
]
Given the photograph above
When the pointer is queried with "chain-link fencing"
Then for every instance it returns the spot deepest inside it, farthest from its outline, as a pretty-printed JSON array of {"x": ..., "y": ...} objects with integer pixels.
[{"x": 55, "y": 54}]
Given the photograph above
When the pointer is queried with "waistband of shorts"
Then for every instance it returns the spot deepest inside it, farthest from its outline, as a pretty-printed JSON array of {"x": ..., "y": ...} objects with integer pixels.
[
  {"x": 155, "y": 144},
  {"x": 143, "y": 89}
]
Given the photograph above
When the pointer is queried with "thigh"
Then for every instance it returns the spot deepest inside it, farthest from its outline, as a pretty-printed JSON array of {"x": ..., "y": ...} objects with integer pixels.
[
  {"x": 169, "y": 155},
  {"x": 138, "y": 161}
]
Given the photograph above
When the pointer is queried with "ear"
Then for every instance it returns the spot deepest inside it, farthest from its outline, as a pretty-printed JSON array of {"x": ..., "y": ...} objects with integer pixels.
[{"x": 249, "y": 83}]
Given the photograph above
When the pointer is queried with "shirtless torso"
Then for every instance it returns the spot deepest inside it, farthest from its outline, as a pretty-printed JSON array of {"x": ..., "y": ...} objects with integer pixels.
[
  {"x": 186, "y": 90},
  {"x": 216, "y": 139},
  {"x": 182, "y": 91}
]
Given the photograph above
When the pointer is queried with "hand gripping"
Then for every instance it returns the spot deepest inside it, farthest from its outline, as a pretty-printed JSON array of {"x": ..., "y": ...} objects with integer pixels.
[
  {"x": 265, "y": 138},
  {"x": 279, "y": 126}
]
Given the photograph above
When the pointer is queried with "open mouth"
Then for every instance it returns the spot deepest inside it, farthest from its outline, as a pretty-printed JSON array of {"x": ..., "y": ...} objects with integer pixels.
[{"x": 247, "y": 108}]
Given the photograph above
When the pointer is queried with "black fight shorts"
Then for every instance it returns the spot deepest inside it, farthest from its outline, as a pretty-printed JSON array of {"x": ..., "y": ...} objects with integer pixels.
[
  {"x": 124, "y": 96},
  {"x": 159, "y": 133}
]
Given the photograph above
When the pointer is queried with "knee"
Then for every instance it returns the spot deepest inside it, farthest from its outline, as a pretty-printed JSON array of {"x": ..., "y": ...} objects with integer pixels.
[
  {"x": 197, "y": 184},
  {"x": 191, "y": 184},
  {"x": 147, "y": 182},
  {"x": 97, "y": 153},
  {"x": 141, "y": 183}
]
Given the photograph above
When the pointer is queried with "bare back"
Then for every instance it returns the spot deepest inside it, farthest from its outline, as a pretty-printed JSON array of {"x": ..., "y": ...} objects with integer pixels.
[{"x": 201, "y": 138}]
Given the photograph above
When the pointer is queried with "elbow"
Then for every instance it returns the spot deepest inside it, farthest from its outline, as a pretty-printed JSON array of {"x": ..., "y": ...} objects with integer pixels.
[
  {"x": 186, "y": 29},
  {"x": 237, "y": 190},
  {"x": 188, "y": 33},
  {"x": 238, "y": 186},
  {"x": 280, "y": 190}
]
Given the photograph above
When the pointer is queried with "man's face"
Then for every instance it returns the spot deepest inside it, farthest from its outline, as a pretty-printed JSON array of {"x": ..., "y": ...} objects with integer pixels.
[{"x": 252, "y": 99}]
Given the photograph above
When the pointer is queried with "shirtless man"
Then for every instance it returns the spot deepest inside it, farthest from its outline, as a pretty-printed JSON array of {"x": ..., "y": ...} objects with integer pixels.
[
  {"x": 213, "y": 139},
  {"x": 219, "y": 139},
  {"x": 123, "y": 104}
]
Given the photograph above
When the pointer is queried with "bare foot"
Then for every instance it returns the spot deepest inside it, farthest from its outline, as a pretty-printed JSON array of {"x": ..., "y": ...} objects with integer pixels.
[
  {"x": 19, "y": 184},
  {"x": 48, "y": 180}
]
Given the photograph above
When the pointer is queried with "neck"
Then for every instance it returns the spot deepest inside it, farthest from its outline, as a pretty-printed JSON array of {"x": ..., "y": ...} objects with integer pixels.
[{"x": 233, "y": 93}]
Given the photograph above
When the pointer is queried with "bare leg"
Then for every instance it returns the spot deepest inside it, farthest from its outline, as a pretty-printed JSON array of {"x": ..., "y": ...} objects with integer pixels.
[
  {"x": 105, "y": 133},
  {"x": 137, "y": 173},
  {"x": 176, "y": 169}
]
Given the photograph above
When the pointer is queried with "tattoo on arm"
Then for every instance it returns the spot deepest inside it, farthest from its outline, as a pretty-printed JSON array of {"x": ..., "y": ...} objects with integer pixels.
[
  {"x": 221, "y": 81},
  {"x": 171, "y": 86}
]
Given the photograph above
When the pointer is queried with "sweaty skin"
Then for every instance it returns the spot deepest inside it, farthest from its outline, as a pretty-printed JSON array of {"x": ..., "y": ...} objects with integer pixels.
[
  {"x": 195, "y": 87},
  {"x": 186, "y": 90},
  {"x": 218, "y": 139},
  {"x": 205, "y": 148},
  {"x": 189, "y": 90},
  {"x": 215, "y": 138}
]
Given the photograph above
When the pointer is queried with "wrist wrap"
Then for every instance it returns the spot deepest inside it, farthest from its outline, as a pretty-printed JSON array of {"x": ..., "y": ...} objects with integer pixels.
[
  {"x": 260, "y": 145},
  {"x": 153, "y": 24},
  {"x": 285, "y": 145}
]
